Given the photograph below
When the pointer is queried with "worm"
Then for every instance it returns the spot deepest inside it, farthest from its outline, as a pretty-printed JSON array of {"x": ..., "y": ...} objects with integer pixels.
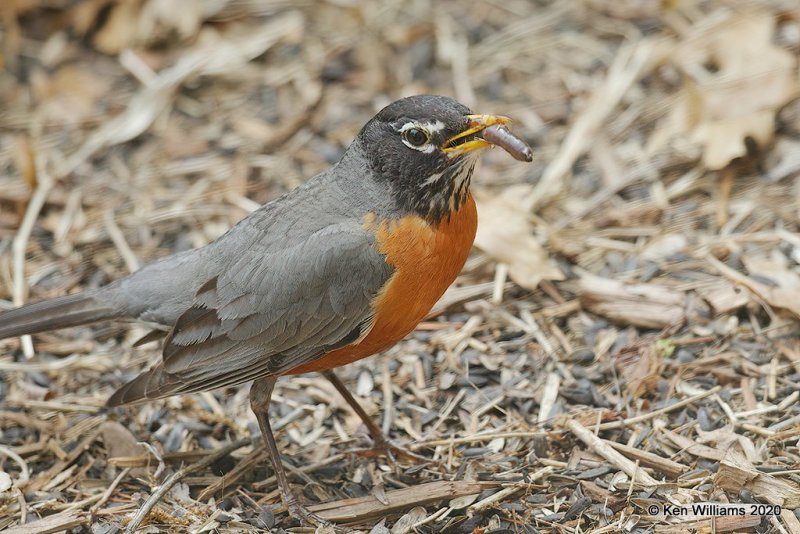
[{"x": 499, "y": 135}]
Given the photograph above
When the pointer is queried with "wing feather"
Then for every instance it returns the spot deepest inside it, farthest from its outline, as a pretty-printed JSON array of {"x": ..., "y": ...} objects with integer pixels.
[{"x": 273, "y": 310}]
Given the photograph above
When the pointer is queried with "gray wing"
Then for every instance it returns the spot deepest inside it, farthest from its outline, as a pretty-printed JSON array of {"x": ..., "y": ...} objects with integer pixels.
[{"x": 269, "y": 310}]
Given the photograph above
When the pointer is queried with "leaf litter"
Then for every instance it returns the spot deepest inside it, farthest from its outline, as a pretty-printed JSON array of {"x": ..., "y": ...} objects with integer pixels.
[{"x": 625, "y": 333}]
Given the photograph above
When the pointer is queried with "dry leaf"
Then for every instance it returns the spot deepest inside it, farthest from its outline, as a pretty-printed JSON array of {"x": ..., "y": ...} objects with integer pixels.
[
  {"x": 645, "y": 305},
  {"x": 121, "y": 443},
  {"x": 506, "y": 234},
  {"x": 215, "y": 53},
  {"x": 25, "y": 160},
  {"x": 724, "y": 297},
  {"x": 640, "y": 369},
  {"x": 736, "y": 78},
  {"x": 783, "y": 292},
  {"x": 737, "y": 473},
  {"x": 119, "y": 31},
  {"x": 70, "y": 95},
  {"x": 726, "y": 437},
  {"x": 664, "y": 246},
  {"x": 132, "y": 23}
]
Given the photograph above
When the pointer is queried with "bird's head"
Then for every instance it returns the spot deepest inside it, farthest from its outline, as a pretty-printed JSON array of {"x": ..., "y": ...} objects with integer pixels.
[{"x": 426, "y": 147}]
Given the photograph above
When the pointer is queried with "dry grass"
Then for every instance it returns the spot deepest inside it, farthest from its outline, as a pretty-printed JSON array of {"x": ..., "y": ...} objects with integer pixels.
[{"x": 627, "y": 332}]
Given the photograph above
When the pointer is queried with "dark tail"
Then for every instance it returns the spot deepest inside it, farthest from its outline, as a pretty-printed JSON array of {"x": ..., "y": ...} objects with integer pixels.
[{"x": 60, "y": 312}]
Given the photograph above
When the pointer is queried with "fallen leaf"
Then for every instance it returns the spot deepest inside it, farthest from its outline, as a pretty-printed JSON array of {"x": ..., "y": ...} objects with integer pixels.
[
  {"x": 736, "y": 473},
  {"x": 215, "y": 53},
  {"x": 505, "y": 233},
  {"x": 645, "y": 305},
  {"x": 641, "y": 368},
  {"x": 70, "y": 95},
  {"x": 735, "y": 80},
  {"x": 724, "y": 297},
  {"x": 135, "y": 23},
  {"x": 783, "y": 292},
  {"x": 664, "y": 246},
  {"x": 121, "y": 443},
  {"x": 120, "y": 28}
]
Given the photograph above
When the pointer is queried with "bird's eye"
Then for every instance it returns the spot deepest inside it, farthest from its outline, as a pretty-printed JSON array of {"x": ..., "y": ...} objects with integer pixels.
[{"x": 416, "y": 136}]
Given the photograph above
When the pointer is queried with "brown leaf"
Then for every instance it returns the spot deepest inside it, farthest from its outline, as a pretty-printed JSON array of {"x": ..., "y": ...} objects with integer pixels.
[
  {"x": 645, "y": 305},
  {"x": 70, "y": 95},
  {"x": 783, "y": 292},
  {"x": 736, "y": 78},
  {"x": 132, "y": 23},
  {"x": 724, "y": 297},
  {"x": 640, "y": 368},
  {"x": 119, "y": 31},
  {"x": 506, "y": 233},
  {"x": 121, "y": 443},
  {"x": 25, "y": 160},
  {"x": 737, "y": 473}
]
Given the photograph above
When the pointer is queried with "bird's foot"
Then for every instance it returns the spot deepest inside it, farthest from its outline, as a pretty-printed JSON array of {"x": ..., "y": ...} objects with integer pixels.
[
  {"x": 306, "y": 516},
  {"x": 391, "y": 452}
]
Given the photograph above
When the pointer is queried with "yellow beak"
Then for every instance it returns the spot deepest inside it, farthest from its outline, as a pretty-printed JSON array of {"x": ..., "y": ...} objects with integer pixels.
[{"x": 476, "y": 124}]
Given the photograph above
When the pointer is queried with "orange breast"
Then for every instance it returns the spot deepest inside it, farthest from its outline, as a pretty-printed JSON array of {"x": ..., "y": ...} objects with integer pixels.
[{"x": 426, "y": 260}]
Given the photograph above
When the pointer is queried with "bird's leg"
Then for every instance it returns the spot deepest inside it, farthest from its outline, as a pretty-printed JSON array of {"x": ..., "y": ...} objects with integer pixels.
[
  {"x": 381, "y": 444},
  {"x": 260, "y": 394}
]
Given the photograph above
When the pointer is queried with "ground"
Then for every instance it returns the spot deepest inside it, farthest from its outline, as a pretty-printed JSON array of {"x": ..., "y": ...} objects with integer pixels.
[{"x": 625, "y": 335}]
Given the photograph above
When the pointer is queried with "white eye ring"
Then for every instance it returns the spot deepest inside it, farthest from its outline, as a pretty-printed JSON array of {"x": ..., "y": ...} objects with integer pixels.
[
  {"x": 416, "y": 136},
  {"x": 406, "y": 133}
]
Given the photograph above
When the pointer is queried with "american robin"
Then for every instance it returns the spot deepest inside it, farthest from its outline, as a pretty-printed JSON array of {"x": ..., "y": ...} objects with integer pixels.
[{"x": 336, "y": 270}]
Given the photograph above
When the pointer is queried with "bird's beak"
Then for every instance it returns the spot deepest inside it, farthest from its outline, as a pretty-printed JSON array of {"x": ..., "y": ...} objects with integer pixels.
[{"x": 458, "y": 145}]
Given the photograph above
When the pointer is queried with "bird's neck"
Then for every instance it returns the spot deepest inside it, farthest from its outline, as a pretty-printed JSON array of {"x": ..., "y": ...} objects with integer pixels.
[
  {"x": 440, "y": 195},
  {"x": 434, "y": 198}
]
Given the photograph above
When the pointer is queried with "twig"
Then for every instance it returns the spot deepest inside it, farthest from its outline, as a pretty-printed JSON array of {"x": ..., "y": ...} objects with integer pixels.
[
  {"x": 24, "y": 474},
  {"x": 388, "y": 399},
  {"x": 20, "y": 244},
  {"x": 176, "y": 477},
  {"x": 107, "y": 494},
  {"x": 628, "y": 65},
  {"x": 473, "y": 439},
  {"x": 305, "y": 469},
  {"x": 549, "y": 396},
  {"x": 495, "y": 497},
  {"x": 23, "y": 478},
  {"x": 660, "y": 411},
  {"x": 500, "y": 277},
  {"x": 232, "y": 477},
  {"x": 118, "y": 238},
  {"x": 607, "y": 452}
]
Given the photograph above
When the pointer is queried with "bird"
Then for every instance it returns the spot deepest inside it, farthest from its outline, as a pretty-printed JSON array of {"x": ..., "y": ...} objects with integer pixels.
[{"x": 338, "y": 269}]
